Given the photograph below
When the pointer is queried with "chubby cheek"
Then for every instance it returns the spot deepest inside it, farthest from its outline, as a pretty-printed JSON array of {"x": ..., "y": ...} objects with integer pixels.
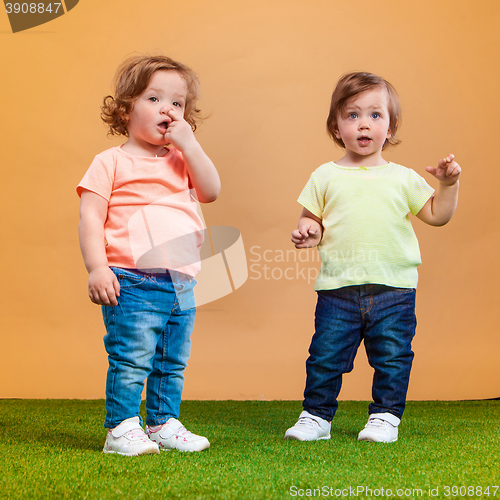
[{"x": 348, "y": 133}]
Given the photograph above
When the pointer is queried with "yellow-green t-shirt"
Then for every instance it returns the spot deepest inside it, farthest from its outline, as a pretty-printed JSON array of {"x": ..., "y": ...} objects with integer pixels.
[{"x": 368, "y": 236}]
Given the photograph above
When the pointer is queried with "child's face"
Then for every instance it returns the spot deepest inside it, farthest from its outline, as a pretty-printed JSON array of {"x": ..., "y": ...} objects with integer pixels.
[
  {"x": 364, "y": 124},
  {"x": 148, "y": 119}
]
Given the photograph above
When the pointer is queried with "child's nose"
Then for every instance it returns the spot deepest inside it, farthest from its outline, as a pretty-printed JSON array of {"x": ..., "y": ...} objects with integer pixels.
[{"x": 166, "y": 108}]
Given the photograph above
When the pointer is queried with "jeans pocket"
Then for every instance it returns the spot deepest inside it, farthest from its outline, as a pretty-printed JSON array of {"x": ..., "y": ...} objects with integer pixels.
[
  {"x": 183, "y": 286},
  {"x": 127, "y": 278}
]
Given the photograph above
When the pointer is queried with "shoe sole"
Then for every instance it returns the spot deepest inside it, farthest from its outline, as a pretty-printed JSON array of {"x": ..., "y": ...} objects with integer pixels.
[
  {"x": 203, "y": 447},
  {"x": 376, "y": 441},
  {"x": 149, "y": 452},
  {"x": 184, "y": 451},
  {"x": 295, "y": 438}
]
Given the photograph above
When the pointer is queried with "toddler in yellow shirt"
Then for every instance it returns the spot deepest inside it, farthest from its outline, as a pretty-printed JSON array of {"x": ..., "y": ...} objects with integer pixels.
[{"x": 357, "y": 211}]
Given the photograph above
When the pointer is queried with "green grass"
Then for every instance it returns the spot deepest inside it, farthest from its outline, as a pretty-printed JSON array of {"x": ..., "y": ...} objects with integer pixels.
[{"x": 52, "y": 449}]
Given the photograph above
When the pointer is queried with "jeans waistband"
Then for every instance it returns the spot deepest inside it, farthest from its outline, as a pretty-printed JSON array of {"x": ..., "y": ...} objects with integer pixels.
[{"x": 160, "y": 273}]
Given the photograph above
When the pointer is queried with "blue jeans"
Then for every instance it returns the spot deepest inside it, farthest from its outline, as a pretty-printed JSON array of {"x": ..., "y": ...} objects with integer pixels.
[
  {"x": 148, "y": 336},
  {"x": 384, "y": 318}
]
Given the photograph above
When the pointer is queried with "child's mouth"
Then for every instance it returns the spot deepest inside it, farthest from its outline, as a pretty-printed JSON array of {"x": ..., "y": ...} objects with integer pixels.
[
  {"x": 364, "y": 140},
  {"x": 162, "y": 127}
]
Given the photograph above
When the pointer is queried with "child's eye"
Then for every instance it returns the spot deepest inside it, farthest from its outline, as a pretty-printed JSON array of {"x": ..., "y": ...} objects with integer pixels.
[
  {"x": 375, "y": 115},
  {"x": 153, "y": 99},
  {"x": 178, "y": 104},
  {"x": 353, "y": 116}
]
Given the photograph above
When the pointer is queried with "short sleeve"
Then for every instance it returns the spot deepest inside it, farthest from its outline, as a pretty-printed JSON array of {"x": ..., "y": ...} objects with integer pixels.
[
  {"x": 99, "y": 178},
  {"x": 312, "y": 198},
  {"x": 419, "y": 192}
]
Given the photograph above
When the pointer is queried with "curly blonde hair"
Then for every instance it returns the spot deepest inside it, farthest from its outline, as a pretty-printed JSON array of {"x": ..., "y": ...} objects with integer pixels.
[
  {"x": 132, "y": 78},
  {"x": 353, "y": 84}
]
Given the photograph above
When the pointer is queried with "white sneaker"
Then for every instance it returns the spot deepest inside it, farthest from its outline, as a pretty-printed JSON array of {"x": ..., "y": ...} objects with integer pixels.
[
  {"x": 128, "y": 438},
  {"x": 173, "y": 436},
  {"x": 309, "y": 428},
  {"x": 381, "y": 428}
]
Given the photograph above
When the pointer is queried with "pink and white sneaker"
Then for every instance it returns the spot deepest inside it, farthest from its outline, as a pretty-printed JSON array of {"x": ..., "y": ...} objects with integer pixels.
[
  {"x": 172, "y": 435},
  {"x": 128, "y": 438}
]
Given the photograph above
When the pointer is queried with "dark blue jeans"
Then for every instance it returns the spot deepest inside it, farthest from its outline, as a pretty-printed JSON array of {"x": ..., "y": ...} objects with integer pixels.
[{"x": 384, "y": 318}]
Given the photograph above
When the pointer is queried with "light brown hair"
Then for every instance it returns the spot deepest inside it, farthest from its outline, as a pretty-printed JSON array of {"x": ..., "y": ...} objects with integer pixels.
[
  {"x": 132, "y": 78},
  {"x": 351, "y": 85}
]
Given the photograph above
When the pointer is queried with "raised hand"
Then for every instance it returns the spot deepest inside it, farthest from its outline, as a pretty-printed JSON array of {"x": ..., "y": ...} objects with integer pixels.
[
  {"x": 447, "y": 172},
  {"x": 179, "y": 133}
]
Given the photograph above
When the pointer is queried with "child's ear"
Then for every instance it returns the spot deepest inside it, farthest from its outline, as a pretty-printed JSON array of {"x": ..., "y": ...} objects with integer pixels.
[
  {"x": 389, "y": 132},
  {"x": 335, "y": 131},
  {"x": 124, "y": 118}
]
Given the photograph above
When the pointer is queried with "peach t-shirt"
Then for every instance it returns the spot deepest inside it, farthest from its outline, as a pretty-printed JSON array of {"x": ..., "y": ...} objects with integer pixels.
[{"x": 152, "y": 220}]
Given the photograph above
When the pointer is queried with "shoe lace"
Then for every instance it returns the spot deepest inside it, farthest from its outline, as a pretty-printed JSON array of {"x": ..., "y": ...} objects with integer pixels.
[
  {"x": 377, "y": 422},
  {"x": 308, "y": 422},
  {"x": 183, "y": 432},
  {"x": 136, "y": 434}
]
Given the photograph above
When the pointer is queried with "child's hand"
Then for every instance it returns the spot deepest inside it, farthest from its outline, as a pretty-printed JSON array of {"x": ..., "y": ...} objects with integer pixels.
[
  {"x": 306, "y": 236},
  {"x": 179, "y": 133},
  {"x": 103, "y": 287},
  {"x": 447, "y": 172}
]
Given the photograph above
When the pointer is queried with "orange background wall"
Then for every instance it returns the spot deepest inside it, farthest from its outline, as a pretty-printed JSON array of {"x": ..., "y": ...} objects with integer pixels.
[{"x": 267, "y": 70}]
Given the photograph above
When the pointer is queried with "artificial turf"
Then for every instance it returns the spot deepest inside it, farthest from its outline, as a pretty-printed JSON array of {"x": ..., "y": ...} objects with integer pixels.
[{"x": 52, "y": 449}]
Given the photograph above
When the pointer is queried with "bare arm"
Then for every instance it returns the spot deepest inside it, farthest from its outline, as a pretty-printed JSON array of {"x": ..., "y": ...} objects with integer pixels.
[
  {"x": 440, "y": 208},
  {"x": 103, "y": 285},
  {"x": 202, "y": 172},
  {"x": 309, "y": 232}
]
